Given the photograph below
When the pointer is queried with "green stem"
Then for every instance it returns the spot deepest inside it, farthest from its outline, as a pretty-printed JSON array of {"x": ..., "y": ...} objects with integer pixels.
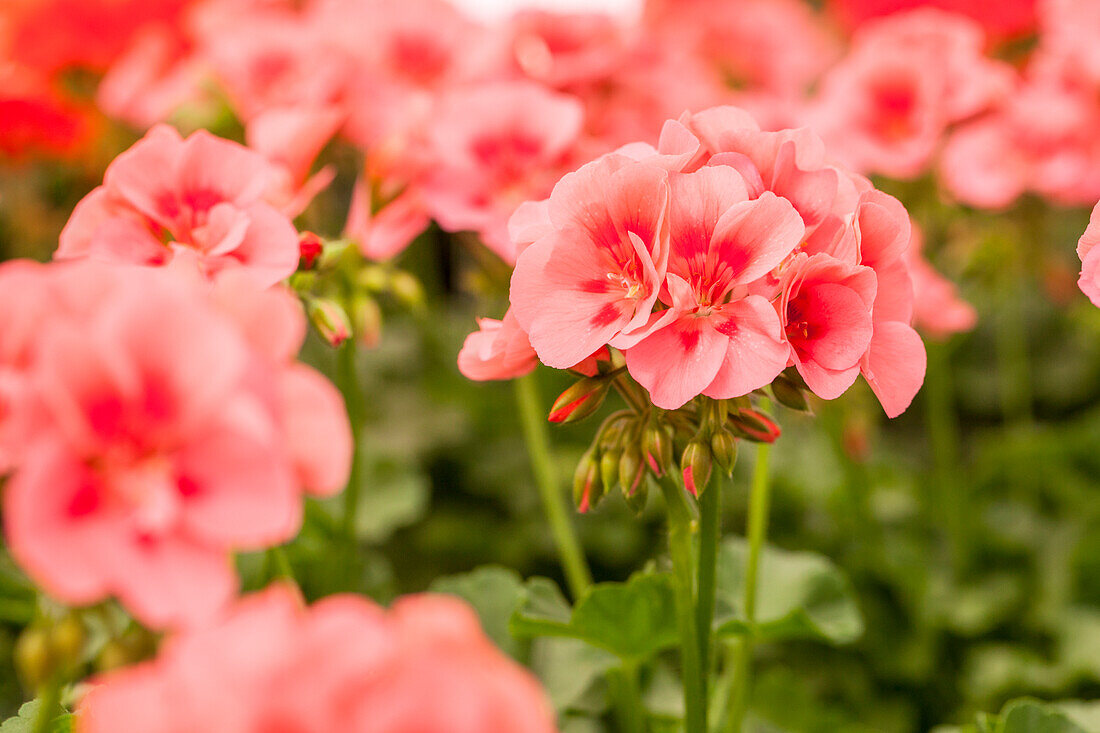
[
  {"x": 622, "y": 687},
  {"x": 1011, "y": 345},
  {"x": 277, "y": 557},
  {"x": 759, "y": 500},
  {"x": 348, "y": 379},
  {"x": 49, "y": 705},
  {"x": 943, "y": 437},
  {"x": 710, "y": 530},
  {"x": 535, "y": 434},
  {"x": 683, "y": 579}
]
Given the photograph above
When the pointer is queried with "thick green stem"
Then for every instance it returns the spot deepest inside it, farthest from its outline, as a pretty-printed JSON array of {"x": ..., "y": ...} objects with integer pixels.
[
  {"x": 49, "y": 701},
  {"x": 683, "y": 579},
  {"x": 622, "y": 687},
  {"x": 710, "y": 530},
  {"x": 535, "y": 434},
  {"x": 348, "y": 381},
  {"x": 759, "y": 500}
]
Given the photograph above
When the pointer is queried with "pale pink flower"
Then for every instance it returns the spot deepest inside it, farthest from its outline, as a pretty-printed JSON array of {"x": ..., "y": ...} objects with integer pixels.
[
  {"x": 1090, "y": 258},
  {"x": 494, "y": 146},
  {"x": 565, "y": 49},
  {"x": 203, "y": 194},
  {"x": 594, "y": 279},
  {"x": 497, "y": 350},
  {"x": 717, "y": 338},
  {"x": 171, "y": 427},
  {"x": 343, "y": 664}
]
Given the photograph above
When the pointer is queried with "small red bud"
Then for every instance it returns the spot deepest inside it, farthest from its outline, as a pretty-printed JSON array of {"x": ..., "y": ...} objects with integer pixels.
[
  {"x": 657, "y": 449},
  {"x": 754, "y": 426},
  {"x": 582, "y": 399},
  {"x": 587, "y": 485},
  {"x": 310, "y": 247},
  {"x": 696, "y": 463}
]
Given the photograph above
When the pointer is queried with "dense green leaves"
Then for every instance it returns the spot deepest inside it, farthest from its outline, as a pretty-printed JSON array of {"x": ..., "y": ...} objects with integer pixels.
[
  {"x": 800, "y": 596},
  {"x": 25, "y": 720}
]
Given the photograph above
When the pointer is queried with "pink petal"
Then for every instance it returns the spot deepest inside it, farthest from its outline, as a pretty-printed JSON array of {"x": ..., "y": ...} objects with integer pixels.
[
  {"x": 756, "y": 353},
  {"x": 894, "y": 366},
  {"x": 755, "y": 236},
  {"x": 318, "y": 432},
  {"x": 677, "y": 362},
  {"x": 696, "y": 202}
]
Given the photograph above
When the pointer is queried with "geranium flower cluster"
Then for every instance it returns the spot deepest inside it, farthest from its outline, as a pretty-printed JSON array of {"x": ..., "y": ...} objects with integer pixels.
[
  {"x": 713, "y": 262},
  {"x": 344, "y": 664},
  {"x": 152, "y": 422}
]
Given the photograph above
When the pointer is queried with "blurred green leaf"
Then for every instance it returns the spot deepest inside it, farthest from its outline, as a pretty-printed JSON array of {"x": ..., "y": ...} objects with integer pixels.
[
  {"x": 494, "y": 592},
  {"x": 24, "y": 721},
  {"x": 1032, "y": 716},
  {"x": 801, "y": 595},
  {"x": 633, "y": 620}
]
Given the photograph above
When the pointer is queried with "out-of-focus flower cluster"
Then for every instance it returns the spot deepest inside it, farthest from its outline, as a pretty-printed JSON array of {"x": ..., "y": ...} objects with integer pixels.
[
  {"x": 344, "y": 664},
  {"x": 152, "y": 422}
]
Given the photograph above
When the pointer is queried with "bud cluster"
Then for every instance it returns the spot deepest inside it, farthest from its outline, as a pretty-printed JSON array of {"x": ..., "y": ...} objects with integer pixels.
[
  {"x": 341, "y": 291},
  {"x": 634, "y": 445}
]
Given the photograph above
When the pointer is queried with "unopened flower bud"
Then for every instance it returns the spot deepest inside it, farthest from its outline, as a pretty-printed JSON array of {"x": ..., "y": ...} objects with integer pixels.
[
  {"x": 631, "y": 471},
  {"x": 580, "y": 400},
  {"x": 330, "y": 320},
  {"x": 724, "y": 447},
  {"x": 754, "y": 426},
  {"x": 366, "y": 316},
  {"x": 310, "y": 247},
  {"x": 67, "y": 641},
  {"x": 587, "y": 486},
  {"x": 609, "y": 468},
  {"x": 33, "y": 660},
  {"x": 696, "y": 464},
  {"x": 657, "y": 449},
  {"x": 789, "y": 394}
]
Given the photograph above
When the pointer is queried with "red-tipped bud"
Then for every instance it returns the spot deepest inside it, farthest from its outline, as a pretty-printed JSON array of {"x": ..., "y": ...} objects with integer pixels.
[
  {"x": 367, "y": 317},
  {"x": 580, "y": 400},
  {"x": 754, "y": 426},
  {"x": 724, "y": 447},
  {"x": 587, "y": 486},
  {"x": 310, "y": 247},
  {"x": 789, "y": 394},
  {"x": 696, "y": 464},
  {"x": 657, "y": 449},
  {"x": 631, "y": 471},
  {"x": 330, "y": 320}
]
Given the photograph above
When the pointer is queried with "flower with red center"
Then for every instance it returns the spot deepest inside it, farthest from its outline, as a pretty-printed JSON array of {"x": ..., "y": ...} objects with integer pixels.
[
  {"x": 717, "y": 338},
  {"x": 170, "y": 427},
  {"x": 594, "y": 278},
  {"x": 826, "y": 315},
  {"x": 203, "y": 194},
  {"x": 344, "y": 664},
  {"x": 495, "y": 146}
]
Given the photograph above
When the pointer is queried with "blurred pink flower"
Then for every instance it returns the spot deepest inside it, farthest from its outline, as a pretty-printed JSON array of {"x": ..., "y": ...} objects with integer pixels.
[
  {"x": 171, "y": 426},
  {"x": 1090, "y": 258},
  {"x": 344, "y": 664},
  {"x": 494, "y": 146},
  {"x": 203, "y": 194},
  {"x": 938, "y": 311}
]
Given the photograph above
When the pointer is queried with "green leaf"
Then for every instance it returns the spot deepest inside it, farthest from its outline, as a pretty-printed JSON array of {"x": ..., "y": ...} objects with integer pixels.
[
  {"x": 1032, "y": 716},
  {"x": 568, "y": 668},
  {"x": 494, "y": 592},
  {"x": 632, "y": 620},
  {"x": 24, "y": 721},
  {"x": 800, "y": 596}
]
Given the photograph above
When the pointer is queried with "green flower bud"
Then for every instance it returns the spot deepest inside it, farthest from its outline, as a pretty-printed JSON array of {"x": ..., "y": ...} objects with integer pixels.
[
  {"x": 587, "y": 485},
  {"x": 724, "y": 447},
  {"x": 580, "y": 400},
  {"x": 33, "y": 659},
  {"x": 696, "y": 465}
]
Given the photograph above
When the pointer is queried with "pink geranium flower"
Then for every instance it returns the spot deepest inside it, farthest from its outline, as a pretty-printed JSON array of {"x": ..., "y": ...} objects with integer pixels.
[
  {"x": 717, "y": 338},
  {"x": 203, "y": 194},
  {"x": 171, "y": 426},
  {"x": 1090, "y": 258},
  {"x": 494, "y": 146},
  {"x": 344, "y": 664},
  {"x": 593, "y": 280},
  {"x": 497, "y": 350}
]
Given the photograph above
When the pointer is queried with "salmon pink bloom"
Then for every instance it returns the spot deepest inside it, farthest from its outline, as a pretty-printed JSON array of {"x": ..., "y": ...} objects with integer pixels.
[
  {"x": 203, "y": 194},
  {"x": 999, "y": 17},
  {"x": 1090, "y": 258},
  {"x": 716, "y": 338},
  {"x": 171, "y": 426},
  {"x": 497, "y": 350},
  {"x": 938, "y": 311},
  {"x": 495, "y": 146},
  {"x": 593, "y": 280},
  {"x": 344, "y": 664},
  {"x": 826, "y": 314}
]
